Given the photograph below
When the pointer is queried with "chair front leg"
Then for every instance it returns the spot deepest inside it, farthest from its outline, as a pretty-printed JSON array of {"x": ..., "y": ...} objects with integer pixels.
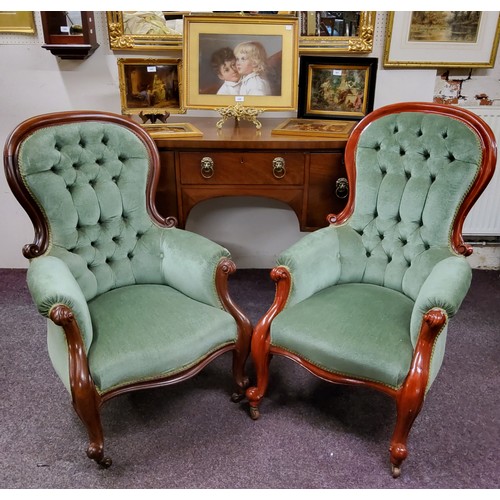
[
  {"x": 86, "y": 400},
  {"x": 261, "y": 359},
  {"x": 261, "y": 340},
  {"x": 410, "y": 398},
  {"x": 242, "y": 346}
]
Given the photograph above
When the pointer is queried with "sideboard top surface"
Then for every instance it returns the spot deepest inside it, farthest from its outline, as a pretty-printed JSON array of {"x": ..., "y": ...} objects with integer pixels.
[{"x": 244, "y": 135}]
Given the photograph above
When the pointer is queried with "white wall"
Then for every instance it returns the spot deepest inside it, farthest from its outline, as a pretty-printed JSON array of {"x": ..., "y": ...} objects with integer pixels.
[{"x": 33, "y": 81}]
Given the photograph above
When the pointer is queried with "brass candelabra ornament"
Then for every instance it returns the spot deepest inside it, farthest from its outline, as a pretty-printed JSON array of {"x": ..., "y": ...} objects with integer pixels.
[{"x": 239, "y": 112}]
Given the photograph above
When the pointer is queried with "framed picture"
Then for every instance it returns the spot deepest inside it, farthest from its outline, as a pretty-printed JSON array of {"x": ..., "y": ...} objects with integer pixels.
[
  {"x": 338, "y": 129},
  {"x": 145, "y": 30},
  {"x": 341, "y": 31},
  {"x": 150, "y": 85},
  {"x": 240, "y": 59},
  {"x": 453, "y": 39},
  {"x": 167, "y": 130},
  {"x": 17, "y": 22},
  {"x": 336, "y": 87}
]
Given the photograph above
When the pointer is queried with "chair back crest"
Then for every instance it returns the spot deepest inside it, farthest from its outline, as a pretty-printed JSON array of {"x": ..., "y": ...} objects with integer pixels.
[
  {"x": 87, "y": 180},
  {"x": 418, "y": 168}
]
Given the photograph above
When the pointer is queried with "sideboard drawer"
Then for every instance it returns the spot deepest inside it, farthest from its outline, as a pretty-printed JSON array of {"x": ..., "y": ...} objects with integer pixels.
[{"x": 240, "y": 167}]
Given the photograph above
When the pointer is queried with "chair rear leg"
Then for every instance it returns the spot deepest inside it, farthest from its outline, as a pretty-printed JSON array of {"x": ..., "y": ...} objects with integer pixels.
[{"x": 240, "y": 378}]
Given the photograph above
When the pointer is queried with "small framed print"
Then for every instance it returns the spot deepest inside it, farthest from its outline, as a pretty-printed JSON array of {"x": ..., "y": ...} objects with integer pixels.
[
  {"x": 339, "y": 88},
  {"x": 167, "y": 130},
  {"x": 335, "y": 129},
  {"x": 151, "y": 86}
]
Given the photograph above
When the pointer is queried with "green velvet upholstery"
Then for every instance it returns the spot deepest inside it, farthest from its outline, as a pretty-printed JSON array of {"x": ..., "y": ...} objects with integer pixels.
[
  {"x": 413, "y": 170},
  {"x": 332, "y": 329},
  {"x": 144, "y": 296},
  {"x": 142, "y": 331},
  {"x": 131, "y": 301}
]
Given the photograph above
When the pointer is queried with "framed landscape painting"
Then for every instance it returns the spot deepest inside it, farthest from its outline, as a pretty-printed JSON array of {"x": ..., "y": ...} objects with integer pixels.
[{"x": 453, "y": 39}]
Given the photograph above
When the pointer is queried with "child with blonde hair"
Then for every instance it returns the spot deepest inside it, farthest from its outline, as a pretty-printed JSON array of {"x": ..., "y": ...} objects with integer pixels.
[
  {"x": 251, "y": 63},
  {"x": 224, "y": 65}
]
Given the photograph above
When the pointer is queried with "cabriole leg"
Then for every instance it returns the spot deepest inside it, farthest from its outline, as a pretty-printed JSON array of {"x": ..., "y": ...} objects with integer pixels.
[{"x": 410, "y": 398}]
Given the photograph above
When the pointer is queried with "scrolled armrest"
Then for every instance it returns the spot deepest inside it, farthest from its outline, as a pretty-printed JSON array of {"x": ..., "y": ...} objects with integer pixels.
[
  {"x": 445, "y": 288},
  {"x": 51, "y": 283},
  {"x": 189, "y": 264},
  {"x": 314, "y": 263}
]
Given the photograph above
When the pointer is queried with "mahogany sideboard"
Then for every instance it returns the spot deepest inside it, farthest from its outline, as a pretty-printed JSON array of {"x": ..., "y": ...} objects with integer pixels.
[{"x": 306, "y": 173}]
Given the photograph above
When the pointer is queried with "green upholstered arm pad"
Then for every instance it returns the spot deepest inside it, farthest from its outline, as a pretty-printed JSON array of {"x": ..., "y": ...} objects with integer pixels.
[
  {"x": 189, "y": 262},
  {"x": 314, "y": 263},
  {"x": 51, "y": 283},
  {"x": 445, "y": 288}
]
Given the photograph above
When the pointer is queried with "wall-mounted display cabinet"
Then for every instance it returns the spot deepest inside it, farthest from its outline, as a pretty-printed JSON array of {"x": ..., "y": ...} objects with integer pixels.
[{"x": 69, "y": 34}]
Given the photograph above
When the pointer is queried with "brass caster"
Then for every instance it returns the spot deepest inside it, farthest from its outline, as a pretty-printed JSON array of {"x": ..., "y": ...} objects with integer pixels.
[
  {"x": 236, "y": 397},
  {"x": 396, "y": 471},
  {"x": 96, "y": 453},
  {"x": 254, "y": 413},
  {"x": 105, "y": 463}
]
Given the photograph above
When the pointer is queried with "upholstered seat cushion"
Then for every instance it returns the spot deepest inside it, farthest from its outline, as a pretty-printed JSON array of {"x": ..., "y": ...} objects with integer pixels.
[
  {"x": 147, "y": 331},
  {"x": 359, "y": 330}
]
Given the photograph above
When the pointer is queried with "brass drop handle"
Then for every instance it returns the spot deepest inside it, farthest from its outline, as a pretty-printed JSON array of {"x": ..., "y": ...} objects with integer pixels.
[
  {"x": 207, "y": 167},
  {"x": 279, "y": 170},
  {"x": 341, "y": 188}
]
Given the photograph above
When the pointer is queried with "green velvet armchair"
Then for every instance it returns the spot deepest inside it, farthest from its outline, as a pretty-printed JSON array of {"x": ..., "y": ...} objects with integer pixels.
[
  {"x": 366, "y": 301},
  {"x": 132, "y": 301}
]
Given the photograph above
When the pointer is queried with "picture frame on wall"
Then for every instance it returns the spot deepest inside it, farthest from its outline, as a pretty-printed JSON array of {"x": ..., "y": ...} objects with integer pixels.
[
  {"x": 145, "y": 30},
  {"x": 244, "y": 60},
  {"x": 21, "y": 22},
  {"x": 451, "y": 39},
  {"x": 150, "y": 86},
  {"x": 336, "y": 87}
]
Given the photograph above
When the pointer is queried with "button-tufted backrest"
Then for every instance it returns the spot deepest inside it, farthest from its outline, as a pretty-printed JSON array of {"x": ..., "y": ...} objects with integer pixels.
[
  {"x": 89, "y": 178},
  {"x": 413, "y": 170}
]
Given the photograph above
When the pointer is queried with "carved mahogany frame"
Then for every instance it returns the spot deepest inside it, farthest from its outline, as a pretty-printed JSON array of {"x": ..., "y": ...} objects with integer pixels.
[
  {"x": 87, "y": 401},
  {"x": 11, "y": 152},
  {"x": 410, "y": 396},
  {"x": 487, "y": 168}
]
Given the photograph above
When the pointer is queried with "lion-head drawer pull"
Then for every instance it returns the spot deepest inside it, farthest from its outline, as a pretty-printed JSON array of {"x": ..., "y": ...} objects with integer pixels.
[
  {"x": 341, "y": 188},
  {"x": 279, "y": 170},
  {"x": 207, "y": 167}
]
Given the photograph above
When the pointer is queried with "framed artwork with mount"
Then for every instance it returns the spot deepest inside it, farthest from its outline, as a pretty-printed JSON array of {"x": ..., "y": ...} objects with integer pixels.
[{"x": 237, "y": 59}]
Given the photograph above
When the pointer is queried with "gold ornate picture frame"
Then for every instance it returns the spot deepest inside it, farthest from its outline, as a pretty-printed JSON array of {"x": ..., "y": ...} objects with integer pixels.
[
  {"x": 168, "y": 130},
  {"x": 21, "y": 22},
  {"x": 335, "y": 129},
  {"x": 351, "y": 37},
  {"x": 145, "y": 30},
  {"x": 272, "y": 41},
  {"x": 339, "y": 88},
  {"x": 429, "y": 39},
  {"x": 150, "y": 86}
]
